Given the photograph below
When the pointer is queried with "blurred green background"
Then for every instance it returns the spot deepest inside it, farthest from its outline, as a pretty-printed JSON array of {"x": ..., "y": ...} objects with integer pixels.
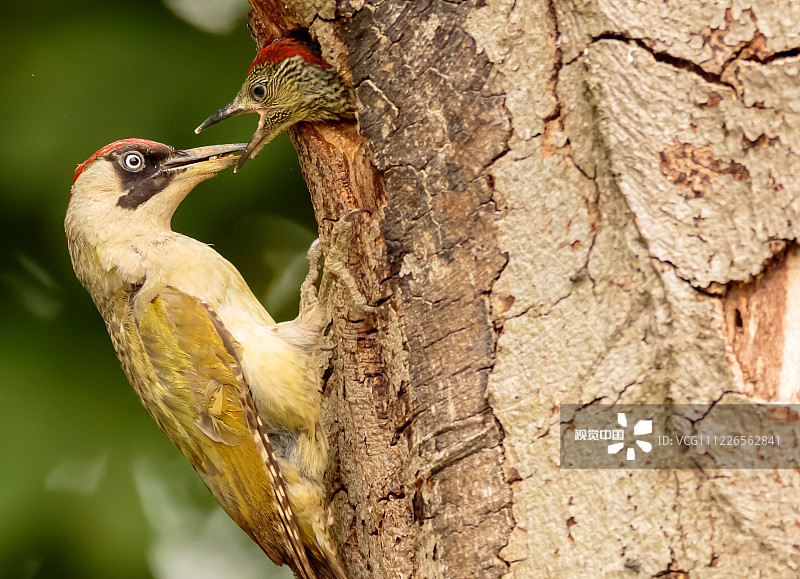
[{"x": 89, "y": 487}]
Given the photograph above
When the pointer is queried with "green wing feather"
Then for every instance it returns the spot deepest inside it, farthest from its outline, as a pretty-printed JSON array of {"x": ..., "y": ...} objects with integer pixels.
[{"x": 204, "y": 405}]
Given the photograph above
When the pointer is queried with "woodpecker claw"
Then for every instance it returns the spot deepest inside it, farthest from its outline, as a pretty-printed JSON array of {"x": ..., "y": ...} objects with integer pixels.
[{"x": 341, "y": 239}]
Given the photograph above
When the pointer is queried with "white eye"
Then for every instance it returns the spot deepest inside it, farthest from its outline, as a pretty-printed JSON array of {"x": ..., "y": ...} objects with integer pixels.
[{"x": 133, "y": 161}]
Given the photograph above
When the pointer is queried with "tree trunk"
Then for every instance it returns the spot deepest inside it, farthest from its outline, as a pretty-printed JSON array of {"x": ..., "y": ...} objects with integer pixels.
[{"x": 570, "y": 201}]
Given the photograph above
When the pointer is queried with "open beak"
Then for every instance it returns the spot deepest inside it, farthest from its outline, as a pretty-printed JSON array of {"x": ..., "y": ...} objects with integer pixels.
[
  {"x": 236, "y": 108},
  {"x": 261, "y": 137},
  {"x": 202, "y": 160}
]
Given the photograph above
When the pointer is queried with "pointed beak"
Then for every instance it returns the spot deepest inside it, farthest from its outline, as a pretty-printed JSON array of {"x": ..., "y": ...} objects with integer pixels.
[
  {"x": 232, "y": 109},
  {"x": 202, "y": 160},
  {"x": 263, "y": 135},
  {"x": 266, "y": 131},
  {"x": 251, "y": 150}
]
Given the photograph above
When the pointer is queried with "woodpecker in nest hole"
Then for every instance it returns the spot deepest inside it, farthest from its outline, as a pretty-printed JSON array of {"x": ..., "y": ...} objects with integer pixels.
[{"x": 287, "y": 83}]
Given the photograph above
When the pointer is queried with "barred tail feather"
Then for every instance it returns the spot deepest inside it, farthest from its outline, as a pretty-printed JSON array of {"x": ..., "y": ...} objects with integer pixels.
[{"x": 327, "y": 567}]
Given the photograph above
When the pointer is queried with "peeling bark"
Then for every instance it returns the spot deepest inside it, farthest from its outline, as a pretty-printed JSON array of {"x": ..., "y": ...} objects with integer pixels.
[{"x": 570, "y": 201}]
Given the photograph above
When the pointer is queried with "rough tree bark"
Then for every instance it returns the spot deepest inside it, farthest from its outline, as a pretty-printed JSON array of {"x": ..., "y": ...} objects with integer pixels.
[{"x": 570, "y": 201}]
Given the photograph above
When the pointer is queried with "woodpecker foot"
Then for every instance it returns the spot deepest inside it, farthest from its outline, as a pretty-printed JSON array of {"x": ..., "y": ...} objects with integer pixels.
[
  {"x": 335, "y": 260},
  {"x": 308, "y": 289},
  {"x": 312, "y": 315}
]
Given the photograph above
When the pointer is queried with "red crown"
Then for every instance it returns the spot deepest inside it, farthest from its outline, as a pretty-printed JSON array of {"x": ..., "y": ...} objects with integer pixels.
[{"x": 282, "y": 48}]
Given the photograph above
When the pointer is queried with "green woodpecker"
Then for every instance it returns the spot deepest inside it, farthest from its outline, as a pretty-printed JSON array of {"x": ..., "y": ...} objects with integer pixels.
[
  {"x": 233, "y": 390},
  {"x": 287, "y": 83}
]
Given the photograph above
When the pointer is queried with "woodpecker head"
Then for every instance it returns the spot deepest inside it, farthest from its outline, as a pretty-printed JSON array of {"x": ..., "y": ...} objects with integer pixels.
[
  {"x": 134, "y": 184},
  {"x": 287, "y": 83}
]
